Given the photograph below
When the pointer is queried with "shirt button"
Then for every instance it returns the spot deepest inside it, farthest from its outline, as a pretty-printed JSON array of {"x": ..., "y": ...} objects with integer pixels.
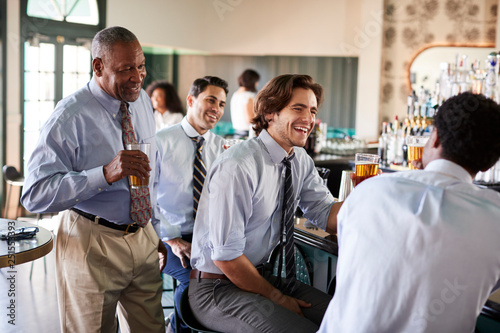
[
  {"x": 114, "y": 115},
  {"x": 76, "y": 200},
  {"x": 100, "y": 189}
]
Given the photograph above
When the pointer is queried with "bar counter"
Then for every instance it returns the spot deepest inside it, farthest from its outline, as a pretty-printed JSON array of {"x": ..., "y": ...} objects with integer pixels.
[{"x": 336, "y": 164}]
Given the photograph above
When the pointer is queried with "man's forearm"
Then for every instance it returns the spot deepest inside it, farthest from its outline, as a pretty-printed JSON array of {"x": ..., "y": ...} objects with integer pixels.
[
  {"x": 57, "y": 192},
  {"x": 331, "y": 226}
]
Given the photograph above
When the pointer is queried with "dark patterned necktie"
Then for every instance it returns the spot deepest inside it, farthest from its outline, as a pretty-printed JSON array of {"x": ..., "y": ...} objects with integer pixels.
[
  {"x": 199, "y": 173},
  {"x": 140, "y": 201},
  {"x": 286, "y": 240}
]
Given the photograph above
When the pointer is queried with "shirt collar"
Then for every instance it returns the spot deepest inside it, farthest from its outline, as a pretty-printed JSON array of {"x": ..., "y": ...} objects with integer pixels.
[
  {"x": 450, "y": 169},
  {"x": 110, "y": 104},
  {"x": 191, "y": 132},
  {"x": 276, "y": 152}
]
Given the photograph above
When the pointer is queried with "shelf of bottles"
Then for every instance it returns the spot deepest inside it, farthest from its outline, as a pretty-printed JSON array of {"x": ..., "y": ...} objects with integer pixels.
[
  {"x": 333, "y": 141},
  {"x": 454, "y": 78}
]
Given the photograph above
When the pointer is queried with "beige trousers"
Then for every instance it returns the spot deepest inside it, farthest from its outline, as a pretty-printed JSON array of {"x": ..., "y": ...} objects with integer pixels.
[{"x": 102, "y": 271}]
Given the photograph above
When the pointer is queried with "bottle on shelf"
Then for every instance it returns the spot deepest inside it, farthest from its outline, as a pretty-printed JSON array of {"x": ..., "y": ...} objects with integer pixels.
[
  {"x": 491, "y": 77},
  {"x": 395, "y": 144},
  {"x": 382, "y": 145}
]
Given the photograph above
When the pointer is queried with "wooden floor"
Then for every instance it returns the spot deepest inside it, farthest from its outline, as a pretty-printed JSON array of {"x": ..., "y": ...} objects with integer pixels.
[{"x": 36, "y": 300}]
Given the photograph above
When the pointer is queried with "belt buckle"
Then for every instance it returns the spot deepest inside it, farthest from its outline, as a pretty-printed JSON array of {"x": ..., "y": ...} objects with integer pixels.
[{"x": 128, "y": 226}]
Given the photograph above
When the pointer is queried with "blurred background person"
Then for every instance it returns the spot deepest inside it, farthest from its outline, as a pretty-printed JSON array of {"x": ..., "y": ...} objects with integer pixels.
[
  {"x": 242, "y": 102},
  {"x": 167, "y": 105}
]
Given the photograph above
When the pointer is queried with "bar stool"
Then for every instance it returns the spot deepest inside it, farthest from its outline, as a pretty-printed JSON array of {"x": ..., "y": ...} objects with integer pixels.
[
  {"x": 13, "y": 178},
  {"x": 187, "y": 316},
  {"x": 303, "y": 268}
]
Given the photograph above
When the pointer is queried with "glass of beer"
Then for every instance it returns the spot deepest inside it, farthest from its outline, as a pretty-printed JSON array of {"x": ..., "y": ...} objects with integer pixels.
[
  {"x": 415, "y": 146},
  {"x": 136, "y": 182},
  {"x": 366, "y": 166}
]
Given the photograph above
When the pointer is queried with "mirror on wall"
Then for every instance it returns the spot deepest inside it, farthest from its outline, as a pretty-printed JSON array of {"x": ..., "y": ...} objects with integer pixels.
[{"x": 424, "y": 70}]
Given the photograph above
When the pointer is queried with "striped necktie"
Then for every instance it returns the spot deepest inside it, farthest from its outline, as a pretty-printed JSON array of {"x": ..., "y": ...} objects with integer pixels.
[
  {"x": 286, "y": 240},
  {"x": 140, "y": 201},
  {"x": 199, "y": 173}
]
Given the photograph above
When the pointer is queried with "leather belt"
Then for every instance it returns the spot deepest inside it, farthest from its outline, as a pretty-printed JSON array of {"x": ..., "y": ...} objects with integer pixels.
[
  {"x": 128, "y": 228},
  {"x": 196, "y": 274}
]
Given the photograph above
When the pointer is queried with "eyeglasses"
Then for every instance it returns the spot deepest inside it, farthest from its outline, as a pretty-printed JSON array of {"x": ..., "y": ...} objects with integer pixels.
[{"x": 20, "y": 233}]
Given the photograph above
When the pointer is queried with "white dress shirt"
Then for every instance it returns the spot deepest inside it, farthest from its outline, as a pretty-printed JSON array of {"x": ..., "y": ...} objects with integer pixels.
[
  {"x": 419, "y": 251},
  {"x": 175, "y": 187},
  {"x": 240, "y": 208}
]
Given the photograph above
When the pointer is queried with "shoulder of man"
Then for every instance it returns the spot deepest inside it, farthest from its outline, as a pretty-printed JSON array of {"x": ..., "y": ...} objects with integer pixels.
[
  {"x": 70, "y": 106},
  {"x": 246, "y": 154},
  {"x": 170, "y": 131}
]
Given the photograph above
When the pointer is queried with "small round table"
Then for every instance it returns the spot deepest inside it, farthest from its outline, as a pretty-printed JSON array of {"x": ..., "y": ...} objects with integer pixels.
[{"x": 15, "y": 252}]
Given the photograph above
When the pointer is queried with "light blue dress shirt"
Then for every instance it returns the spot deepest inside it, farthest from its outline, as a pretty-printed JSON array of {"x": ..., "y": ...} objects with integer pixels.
[
  {"x": 175, "y": 188},
  {"x": 240, "y": 208},
  {"x": 418, "y": 252},
  {"x": 82, "y": 135}
]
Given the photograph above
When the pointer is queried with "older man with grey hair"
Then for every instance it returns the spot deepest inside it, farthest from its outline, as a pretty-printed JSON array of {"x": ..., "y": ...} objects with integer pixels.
[{"x": 107, "y": 250}]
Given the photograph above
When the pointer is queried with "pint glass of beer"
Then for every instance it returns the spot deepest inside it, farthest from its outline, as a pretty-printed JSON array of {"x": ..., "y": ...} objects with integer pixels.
[
  {"x": 415, "y": 146},
  {"x": 366, "y": 166},
  {"x": 145, "y": 148}
]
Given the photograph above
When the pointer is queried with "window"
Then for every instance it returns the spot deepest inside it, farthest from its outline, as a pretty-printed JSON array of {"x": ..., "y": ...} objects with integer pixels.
[
  {"x": 42, "y": 78},
  {"x": 57, "y": 58},
  {"x": 75, "y": 11}
]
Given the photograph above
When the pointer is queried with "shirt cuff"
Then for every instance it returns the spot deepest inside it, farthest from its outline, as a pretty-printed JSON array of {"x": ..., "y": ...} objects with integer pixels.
[
  {"x": 96, "y": 178},
  {"x": 222, "y": 253}
]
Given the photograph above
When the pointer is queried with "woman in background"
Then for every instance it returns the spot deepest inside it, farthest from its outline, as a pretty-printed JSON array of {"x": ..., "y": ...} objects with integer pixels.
[
  {"x": 242, "y": 102},
  {"x": 167, "y": 105}
]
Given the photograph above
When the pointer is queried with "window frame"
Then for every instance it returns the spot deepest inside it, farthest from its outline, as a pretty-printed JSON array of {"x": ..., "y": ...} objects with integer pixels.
[{"x": 70, "y": 33}]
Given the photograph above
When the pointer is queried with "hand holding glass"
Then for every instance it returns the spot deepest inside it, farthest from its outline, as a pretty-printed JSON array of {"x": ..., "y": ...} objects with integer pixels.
[
  {"x": 366, "y": 166},
  {"x": 136, "y": 182},
  {"x": 415, "y": 146}
]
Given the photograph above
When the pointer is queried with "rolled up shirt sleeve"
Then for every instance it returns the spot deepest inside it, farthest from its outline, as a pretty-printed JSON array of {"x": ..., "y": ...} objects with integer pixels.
[{"x": 230, "y": 206}]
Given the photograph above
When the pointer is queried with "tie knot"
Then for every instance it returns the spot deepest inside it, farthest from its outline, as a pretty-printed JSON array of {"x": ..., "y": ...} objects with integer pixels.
[
  {"x": 287, "y": 160},
  {"x": 199, "y": 141},
  {"x": 124, "y": 109}
]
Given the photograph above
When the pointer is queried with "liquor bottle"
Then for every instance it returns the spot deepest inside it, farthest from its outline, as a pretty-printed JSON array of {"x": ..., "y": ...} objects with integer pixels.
[
  {"x": 491, "y": 77},
  {"x": 409, "y": 106},
  {"x": 382, "y": 145},
  {"x": 399, "y": 144},
  {"x": 395, "y": 144},
  {"x": 404, "y": 147},
  {"x": 465, "y": 80},
  {"x": 444, "y": 84},
  {"x": 416, "y": 126},
  {"x": 423, "y": 126}
]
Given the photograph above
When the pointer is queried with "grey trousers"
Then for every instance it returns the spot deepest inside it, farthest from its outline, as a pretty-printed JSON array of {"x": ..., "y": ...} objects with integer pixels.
[{"x": 221, "y": 306}]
